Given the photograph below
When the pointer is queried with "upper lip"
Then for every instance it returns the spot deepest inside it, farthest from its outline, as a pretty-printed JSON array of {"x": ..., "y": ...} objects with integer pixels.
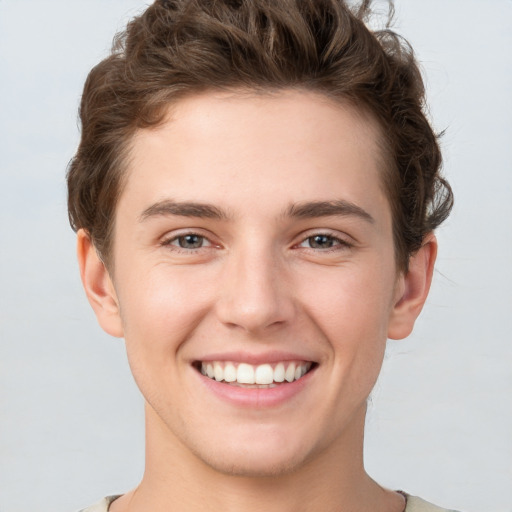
[{"x": 256, "y": 359}]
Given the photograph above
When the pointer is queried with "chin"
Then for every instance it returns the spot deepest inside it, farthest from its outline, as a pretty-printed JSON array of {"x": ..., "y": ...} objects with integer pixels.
[
  {"x": 250, "y": 464},
  {"x": 256, "y": 453}
]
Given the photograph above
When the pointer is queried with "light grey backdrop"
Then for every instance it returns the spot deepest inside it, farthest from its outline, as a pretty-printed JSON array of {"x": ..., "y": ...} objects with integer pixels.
[{"x": 71, "y": 425}]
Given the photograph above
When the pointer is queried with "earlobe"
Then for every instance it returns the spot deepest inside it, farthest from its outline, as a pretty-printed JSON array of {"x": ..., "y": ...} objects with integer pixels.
[
  {"x": 412, "y": 290},
  {"x": 98, "y": 286}
]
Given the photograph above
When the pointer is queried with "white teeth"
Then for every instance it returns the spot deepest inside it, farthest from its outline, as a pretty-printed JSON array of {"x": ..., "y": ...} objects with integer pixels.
[
  {"x": 279, "y": 373},
  {"x": 263, "y": 375},
  {"x": 230, "y": 373},
  {"x": 245, "y": 374},
  {"x": 218, "y": 372},
  {"x": 290, "y": 373}
]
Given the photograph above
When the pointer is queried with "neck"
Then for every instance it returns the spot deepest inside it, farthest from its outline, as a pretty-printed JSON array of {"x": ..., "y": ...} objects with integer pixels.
[{"x": 177, "y": 479}]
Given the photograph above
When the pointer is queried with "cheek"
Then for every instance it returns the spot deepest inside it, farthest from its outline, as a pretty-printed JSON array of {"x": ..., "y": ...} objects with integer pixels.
[
  {"x": 351, "y": 300},
  {"x": 160, "y": 311},
  {"x": 352, "y": 307},
  {"x": 161, "y": 308}
]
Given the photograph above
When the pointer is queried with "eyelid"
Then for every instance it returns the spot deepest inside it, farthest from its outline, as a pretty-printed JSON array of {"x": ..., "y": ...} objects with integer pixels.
[
  {"x": 343, "y": 241},
  {"x": 172, "y": 240},
  {"x": 170, "y": 237}
]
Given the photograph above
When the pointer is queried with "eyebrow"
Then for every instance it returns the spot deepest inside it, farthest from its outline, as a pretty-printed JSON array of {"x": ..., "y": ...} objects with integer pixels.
[
  {"x": 305, "y": 210},
  {"x": 183, "y": 209},
  {"x": 340, "y": 207}
]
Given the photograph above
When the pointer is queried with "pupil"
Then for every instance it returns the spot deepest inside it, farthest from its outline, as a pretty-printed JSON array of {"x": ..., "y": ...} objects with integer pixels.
[
  {"x": 191, "y": 241},
  {"x": 320, "y": 241}
]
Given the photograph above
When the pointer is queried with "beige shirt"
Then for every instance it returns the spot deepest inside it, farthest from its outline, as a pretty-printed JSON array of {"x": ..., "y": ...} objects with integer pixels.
[{"x": 414, "y": 504}]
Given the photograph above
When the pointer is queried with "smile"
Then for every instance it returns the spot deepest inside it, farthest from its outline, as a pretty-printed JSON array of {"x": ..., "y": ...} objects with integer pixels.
[{"x": 248, "y": 375}]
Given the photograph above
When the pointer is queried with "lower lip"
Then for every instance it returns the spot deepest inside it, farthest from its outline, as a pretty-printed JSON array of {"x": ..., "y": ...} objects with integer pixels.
[{"x": 257, "y": 398}]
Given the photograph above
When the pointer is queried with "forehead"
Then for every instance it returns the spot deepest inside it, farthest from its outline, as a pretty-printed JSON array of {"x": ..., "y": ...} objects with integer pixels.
[{"x": 240, "y": 148}]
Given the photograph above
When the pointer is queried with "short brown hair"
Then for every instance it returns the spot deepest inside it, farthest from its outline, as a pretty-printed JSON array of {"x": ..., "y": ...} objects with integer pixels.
[{"x": 181, "y": 47}]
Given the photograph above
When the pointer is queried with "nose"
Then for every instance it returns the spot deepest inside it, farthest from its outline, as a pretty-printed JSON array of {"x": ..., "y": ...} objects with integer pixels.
[{"x": 255, "y": 294}]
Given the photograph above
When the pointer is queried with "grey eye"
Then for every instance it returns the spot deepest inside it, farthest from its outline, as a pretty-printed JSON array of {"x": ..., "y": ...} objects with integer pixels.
[
  {"x": 321, "y": 241},
  {"x": 190, "y": 241}
]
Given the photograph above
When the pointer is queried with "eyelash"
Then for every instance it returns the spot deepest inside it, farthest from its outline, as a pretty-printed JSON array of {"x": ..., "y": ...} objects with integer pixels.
[
  {"x": 337, "y": 243},
  {"x": 169, "y": 242}
]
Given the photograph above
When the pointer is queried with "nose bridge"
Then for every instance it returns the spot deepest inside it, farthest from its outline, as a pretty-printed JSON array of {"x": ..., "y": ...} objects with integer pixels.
[{"x": 254, "y": 294}]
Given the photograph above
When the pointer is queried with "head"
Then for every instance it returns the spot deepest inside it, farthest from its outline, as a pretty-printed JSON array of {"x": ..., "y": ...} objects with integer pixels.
[
  {"x": 180, "y": 48},
  {"x": 256, "y": 185}
]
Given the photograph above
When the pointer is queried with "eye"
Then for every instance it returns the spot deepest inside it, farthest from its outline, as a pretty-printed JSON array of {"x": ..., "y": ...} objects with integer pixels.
[
  {"x": 323, "y": 241},
  {"x": 188, "y": 241}
]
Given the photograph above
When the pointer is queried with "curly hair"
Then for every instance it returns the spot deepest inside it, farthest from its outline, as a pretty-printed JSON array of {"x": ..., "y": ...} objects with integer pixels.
[{"x": 181, "y": 47}]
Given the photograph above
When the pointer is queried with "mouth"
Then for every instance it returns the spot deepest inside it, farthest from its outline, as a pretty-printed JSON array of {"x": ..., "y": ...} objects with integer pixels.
[{"x": 240, "y": 374}]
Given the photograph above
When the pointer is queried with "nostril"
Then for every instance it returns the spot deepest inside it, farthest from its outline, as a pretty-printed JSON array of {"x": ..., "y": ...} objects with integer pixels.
[{"x": 251, "y": 297}]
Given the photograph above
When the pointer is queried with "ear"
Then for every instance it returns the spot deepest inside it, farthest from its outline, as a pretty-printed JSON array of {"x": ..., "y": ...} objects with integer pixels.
[
  {"x": 412, "y": 289},
  {"x": 98, "y": 286}
]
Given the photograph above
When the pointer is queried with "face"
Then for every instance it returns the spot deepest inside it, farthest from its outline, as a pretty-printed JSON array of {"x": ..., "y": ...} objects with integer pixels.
[{"x": 254, "y": 276}]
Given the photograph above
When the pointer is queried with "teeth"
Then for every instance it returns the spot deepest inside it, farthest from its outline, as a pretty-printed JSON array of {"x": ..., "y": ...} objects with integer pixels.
[
  {"x": 279, "y": 372},
  {"x": 290, "y": 373},
  {"x": 263, "y": 375},
  {"x": 245, "y": 374},
  {"x": 230, "y": 373},
  {"x": 218, "y": 372}
]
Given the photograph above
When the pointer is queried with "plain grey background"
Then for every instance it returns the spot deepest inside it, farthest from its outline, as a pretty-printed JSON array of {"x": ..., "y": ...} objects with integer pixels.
[{"x": 71, "y": 424}]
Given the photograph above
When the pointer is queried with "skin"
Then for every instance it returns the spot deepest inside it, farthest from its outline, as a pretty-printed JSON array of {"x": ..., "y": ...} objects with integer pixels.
[{"x": 257, "y": 282}]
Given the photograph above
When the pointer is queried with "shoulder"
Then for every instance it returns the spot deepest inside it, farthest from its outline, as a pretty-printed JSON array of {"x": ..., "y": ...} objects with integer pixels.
[
  {"x": 415, "y": 504},
  {"x": 101, "y": 506}
]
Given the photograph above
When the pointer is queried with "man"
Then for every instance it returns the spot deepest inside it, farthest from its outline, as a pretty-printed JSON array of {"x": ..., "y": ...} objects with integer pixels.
[{"x": 255, "y": 195}]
